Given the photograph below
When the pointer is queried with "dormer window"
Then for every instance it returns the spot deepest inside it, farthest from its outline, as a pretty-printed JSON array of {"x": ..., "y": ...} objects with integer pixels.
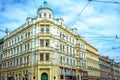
[{"x": 45, "y": 15}]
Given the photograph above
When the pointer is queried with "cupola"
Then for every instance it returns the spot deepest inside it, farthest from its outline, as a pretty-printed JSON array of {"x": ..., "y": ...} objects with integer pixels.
[{"x": 45, "y": 11}]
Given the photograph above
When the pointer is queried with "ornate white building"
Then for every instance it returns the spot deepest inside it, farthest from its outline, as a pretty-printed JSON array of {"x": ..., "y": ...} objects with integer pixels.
[{"x": 43, "y": 48}]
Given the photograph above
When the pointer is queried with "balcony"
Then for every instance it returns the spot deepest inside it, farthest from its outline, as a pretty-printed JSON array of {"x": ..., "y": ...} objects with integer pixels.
[
  {"x": 105, "y": 76},
  {"x": 44, "y": 34},
  {"x": 44, "y": 48},
  {"x": 77, "y": 46},
  {"x": 42, "y": 63}
]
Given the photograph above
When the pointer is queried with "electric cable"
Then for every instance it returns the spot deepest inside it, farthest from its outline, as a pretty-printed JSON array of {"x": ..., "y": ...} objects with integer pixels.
[
  {"x": 103, "y": 41},
  {"x": 105, "y": 1},
  {"x": 113, "y": 48},
  {"x": 116, "y": 36},
  {"x": 79, "y": 14},
  {"x": 35, "y": 4}
]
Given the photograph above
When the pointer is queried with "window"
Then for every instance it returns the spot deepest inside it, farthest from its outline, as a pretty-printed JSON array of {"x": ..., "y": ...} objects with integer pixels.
[
  {"x": 25, "y": 47},
  {"x": 27, "y": 59},
  {"x": 19, "y": 76},
  {"x": 17, "y": 48},
  {"x": 47, "y": 42},
  {"x": 24, "y": 59},
  {"x": 47, "y": 57},
  {"x": 28, "y": 34},
  {"x": 71, "y": 61},
  {"x": 45, "y": 15},
  {"x": 47, "y": 30},
  {"x": 73, "y": 51},
  {"x": 42, "y": 29},
  {"x": 70, "y": 50},
  {"x": 60, "y": 46},
  {"x": 28, "y": 46},
  {"x": 67, "y": 49},
  {"x": 41, "y": 57},
  {"x": 61, "y": 59},
  {"x": 67, "y": 38},
  {"x": 74, "y": 62},
  {"x": 41, "y": 42},
  {"x": 20, "y": 48},
  {"x": 64, "y": 60},
  {"x": 49, "y": 15},
  {"x": 20, "y": 61},
  {"x": 16, "y": 61},
  {"x": 60, "y": 35},
  {"x": 25, "y": 35},
  {"x": 40, "y": 15},
  {"x": 63, "y": 47},
  {"x": 15, "y": 40},
  {"x": 67, "y": 60},
  {"x": 21, "y": 37},
  {"x": 18, "y": 39}
]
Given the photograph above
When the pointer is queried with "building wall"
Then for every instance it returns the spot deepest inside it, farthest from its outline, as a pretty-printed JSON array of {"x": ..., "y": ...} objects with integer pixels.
[
  {"x": 1, "y": 49},
  {"x": 105, "y": 70},
  {"x": 116, "y": 71},
  {"x": 92, "y": 63}
]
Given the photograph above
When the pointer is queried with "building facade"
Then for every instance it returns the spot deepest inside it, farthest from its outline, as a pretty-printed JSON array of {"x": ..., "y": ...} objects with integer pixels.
[
  {"x": 105, "y": 68},
  {"x": 92, "y": 63},
  {"x": 109, "y": 69},
  {"x": 1, "y": 49},
  {"x": 115, "y": 70},
  {"x": 43, "y": 48}
]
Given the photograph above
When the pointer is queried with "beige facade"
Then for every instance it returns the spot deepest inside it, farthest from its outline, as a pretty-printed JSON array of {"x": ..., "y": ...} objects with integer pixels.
[
  {"x": 45, "y": 49},
  {"x": 92, "y": 63}
]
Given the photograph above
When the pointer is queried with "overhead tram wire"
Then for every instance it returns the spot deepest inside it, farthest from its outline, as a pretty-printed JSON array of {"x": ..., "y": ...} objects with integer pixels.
[
  {"x": 80, "y": 13},
  {"x": 105, "y": 1},
  {"x": 113, "y": 48},
  {"x": 108, "y": 39},
  {"x": 116, "y": 36},
  {"x": 104, "y": 41}
]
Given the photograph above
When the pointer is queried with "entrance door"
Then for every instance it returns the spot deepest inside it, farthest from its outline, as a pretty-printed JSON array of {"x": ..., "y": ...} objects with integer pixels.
[{"x": 44, "y": 76}]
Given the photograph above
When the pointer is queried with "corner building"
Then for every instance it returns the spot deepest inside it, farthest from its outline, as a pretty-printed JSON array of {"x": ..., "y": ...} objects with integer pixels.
[{"x": 43, "y": 48}]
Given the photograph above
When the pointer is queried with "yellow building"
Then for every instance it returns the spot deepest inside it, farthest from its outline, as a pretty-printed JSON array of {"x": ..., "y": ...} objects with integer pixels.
[
  {"x": 92, "y": 62},
  {"x": 43, "y": 48},
  {"x": 1, "y": 51}
]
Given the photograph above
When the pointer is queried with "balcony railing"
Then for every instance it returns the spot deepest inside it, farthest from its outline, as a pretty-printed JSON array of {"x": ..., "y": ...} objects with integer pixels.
[
  {"x": 45, "y": 62},
  {"x": 44, "y": 34},
  {"x": 44, "y": 48}
]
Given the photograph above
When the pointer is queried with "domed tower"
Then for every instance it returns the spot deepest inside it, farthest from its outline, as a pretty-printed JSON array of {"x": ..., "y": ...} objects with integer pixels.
[{"x": 44, "y": 11}]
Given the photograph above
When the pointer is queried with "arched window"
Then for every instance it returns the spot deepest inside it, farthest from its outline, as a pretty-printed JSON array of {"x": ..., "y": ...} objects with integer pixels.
[
  {"x": 45, "y": 15},
  {"x": 49, "y": 15},
  {"x": 40, "y": 16},
  {"x": 44, "y": 76}
]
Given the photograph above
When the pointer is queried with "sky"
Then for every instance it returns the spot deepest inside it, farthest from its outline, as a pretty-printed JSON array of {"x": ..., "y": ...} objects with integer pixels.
[{"x": 98, "y": 23}]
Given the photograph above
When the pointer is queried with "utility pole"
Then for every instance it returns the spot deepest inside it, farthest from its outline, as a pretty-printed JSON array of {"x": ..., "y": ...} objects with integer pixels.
[{"x": 6, "y": 31}]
